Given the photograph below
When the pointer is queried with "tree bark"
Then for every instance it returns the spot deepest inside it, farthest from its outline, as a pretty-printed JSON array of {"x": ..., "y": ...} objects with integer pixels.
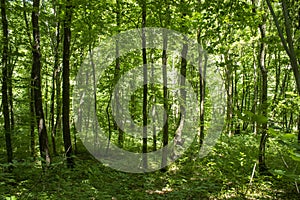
[
  {"x": 264, "y": 97},
  {"x": 36, "y": 81},
  {"x": 165, "y": 97},
  {"x": 145, "y": 88},
  {"x": 5, "y": 103},
  {"x": 202, "y": 89},
  {"x": 66, "y": 85}
]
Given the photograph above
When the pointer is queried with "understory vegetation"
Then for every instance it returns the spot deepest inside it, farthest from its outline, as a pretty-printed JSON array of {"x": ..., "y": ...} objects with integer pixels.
[{"x": 226, "y": 173}]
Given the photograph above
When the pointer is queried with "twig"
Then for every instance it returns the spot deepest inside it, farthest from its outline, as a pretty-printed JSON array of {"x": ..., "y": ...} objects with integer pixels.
[{"x": 250, "y": 183}]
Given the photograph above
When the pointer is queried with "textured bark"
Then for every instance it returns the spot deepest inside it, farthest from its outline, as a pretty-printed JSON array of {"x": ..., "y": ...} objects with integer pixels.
[
  {"x": 165, "y": 96},
  {"x": 36, "y": 81},
  {"x": 145, "y": 89},
  {"x": 66, "y": 85},
  {"x": 5, "y": 100},
  {"x": 264, "y": 97},
  {"x": 202, "y": 73}
]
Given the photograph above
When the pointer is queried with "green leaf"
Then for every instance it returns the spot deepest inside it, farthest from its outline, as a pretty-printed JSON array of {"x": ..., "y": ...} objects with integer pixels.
[
  {"x": 288, "y": 136},
  {"x": 260, "y": 119}
]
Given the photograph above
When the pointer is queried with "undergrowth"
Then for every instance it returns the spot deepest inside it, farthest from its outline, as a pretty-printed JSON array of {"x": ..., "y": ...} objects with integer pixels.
[{"x": 225, "y": 173}]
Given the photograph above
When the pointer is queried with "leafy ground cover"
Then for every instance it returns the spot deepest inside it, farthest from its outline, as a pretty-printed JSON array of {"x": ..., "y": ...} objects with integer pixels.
[{"x": 224, "y": 174}]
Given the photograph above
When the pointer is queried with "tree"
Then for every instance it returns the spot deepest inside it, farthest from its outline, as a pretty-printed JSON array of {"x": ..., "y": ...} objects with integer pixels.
[
  {"x": 5, "y": 103},
  {"x": 165, "y": 97},
  {"x": 56, "y": 85},
  {"x": 66, "y": 84},
  {"x": 264, "y": 88},
  {"x": 288, "y": 43},
  {"x": 145, "y": 88},
  {"x": 36, "y": 84},
  {"x": 117, "y": 72}
]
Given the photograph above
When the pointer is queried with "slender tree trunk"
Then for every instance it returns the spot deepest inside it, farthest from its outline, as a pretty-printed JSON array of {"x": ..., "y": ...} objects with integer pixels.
[
  {"x": 153, "y": 112},
  {"x": 117, "y": 74},
  {"x": 145, "y": 89},
  {"x": 55, "y": 76},
  {"x": 5, "y": 103},
  {"x": 165, "y": 94},
  {"x": 264, "y": 96},
  {"x": 288, "y": 42},
  {"x": 178, "y": 135},
  {"x": 36, "y": 80},
  {"x": 66, "y": 84},
  {"x": 10, "y": 96},
  {"x": 31, "y": 91},
  {"x": 202, "y": 89}
]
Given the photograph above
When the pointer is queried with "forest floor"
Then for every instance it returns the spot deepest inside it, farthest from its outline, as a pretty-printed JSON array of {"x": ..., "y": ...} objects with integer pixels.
[{"x": 224, "y": 174}]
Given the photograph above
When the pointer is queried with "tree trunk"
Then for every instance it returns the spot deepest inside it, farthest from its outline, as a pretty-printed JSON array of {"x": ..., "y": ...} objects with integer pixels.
[
  {"x": 288, "y": 42},
  {"x": 66, "y": 84},
  {"x": 55, "y": 76},
  {"x": 178, "y": 135},
  {"x": 5, "y": 103},
  {"x": 36, "y": 80},
  {"x": 145, "y": 89},
  {"x": 202, "y": 71},
  {"x": 117, "y": 75},
  {"x": 264, "y": 97},
  {"x": 165, "y": 97}
]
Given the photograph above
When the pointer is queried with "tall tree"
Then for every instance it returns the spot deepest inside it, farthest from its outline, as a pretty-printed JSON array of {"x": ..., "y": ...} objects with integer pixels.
[
  {"x": 183, "y": 65},
  {"x": 117, "y": 72},
  {"x": 145, "y": 88},
  {"x": 36, "y": 84},
  {"x": 165, "y": 94},
  {"x": 55, "y": 80},
  {"x": 66, "y": 83},
  {"x": 5, "y": 103},
  {"x": 288, "y": 41},
  {"x": 264, "y": 88},
  {"x": 31, "y": 91}
]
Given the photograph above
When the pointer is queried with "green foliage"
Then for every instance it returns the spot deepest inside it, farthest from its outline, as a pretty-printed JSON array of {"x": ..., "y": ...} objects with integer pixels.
[{"x": 226, "y": 171}]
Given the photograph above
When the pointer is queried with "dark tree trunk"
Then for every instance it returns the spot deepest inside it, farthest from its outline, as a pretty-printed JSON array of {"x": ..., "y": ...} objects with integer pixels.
[
  {"x": 202, "y": 85},
  {"x": 66, "y": 84},
  {"x": 10, "y": 96},
  {"x": 288, "y": 42},
  {"x": 165, "y": 93},
  {"x": 153, "y": 99},
  {"x": 36, "y": 80},
  {"x": 5, "y": 103},
  {"x": 145, "y": 89},
  {"x": 178, "y": 134},
  {"x": 117, "y": 72}
]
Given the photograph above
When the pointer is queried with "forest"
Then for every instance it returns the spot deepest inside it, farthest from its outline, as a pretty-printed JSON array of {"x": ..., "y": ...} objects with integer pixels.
[{"x": 171, "y": 99}]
